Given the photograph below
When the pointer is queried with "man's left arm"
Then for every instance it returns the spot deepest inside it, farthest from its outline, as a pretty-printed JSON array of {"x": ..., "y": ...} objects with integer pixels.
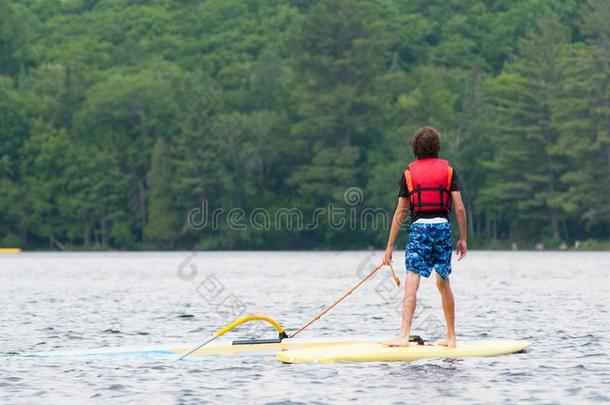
[{"x": 460, "y": 212}]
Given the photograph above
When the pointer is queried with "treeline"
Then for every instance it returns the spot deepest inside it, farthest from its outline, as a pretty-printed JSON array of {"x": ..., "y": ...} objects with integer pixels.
[{"x": 119, "y": 118}]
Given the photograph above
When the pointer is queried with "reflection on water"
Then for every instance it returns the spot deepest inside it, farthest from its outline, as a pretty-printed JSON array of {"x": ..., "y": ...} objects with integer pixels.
[{"x": 71, "y": 301}]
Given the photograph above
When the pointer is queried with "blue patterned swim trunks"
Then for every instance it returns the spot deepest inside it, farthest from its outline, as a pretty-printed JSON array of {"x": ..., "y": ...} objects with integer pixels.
[{"x": 429, "y": 247}]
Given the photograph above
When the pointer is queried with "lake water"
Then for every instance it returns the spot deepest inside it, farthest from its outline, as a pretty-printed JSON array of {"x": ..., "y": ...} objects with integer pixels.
[{"x": 64, "y": 301}]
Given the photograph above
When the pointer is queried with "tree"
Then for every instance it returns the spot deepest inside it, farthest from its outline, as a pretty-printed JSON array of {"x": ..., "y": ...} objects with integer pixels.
[
  {"x": 46, "y": 171},
  {"x": 14, "y": 130},
  {"x": 122, "y": 116},
  {"x": 582, "y": 117},
  {"x": 525, "y": 168},
  {"x": 163, "y": 222},
  {"x": 336, "y": 54},
  {"x": 16, "y": 23}
]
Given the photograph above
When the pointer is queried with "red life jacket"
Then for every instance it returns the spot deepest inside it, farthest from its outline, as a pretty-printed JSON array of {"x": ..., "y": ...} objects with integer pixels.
[{"x": 429, "y": 184}]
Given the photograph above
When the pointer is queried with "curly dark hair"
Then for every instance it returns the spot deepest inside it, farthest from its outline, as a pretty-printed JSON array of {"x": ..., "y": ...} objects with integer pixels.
[{"x": 426, "y": 143}]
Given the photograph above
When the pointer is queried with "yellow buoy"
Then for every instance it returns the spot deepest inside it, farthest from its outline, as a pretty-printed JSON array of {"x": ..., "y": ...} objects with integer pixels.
[{"x": 10, "y": 250}]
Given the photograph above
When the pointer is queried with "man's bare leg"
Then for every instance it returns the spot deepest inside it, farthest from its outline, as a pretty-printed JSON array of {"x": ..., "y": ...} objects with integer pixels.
[
  {"x": 408, "y": 308},
  {"x": 444, "y": 287}
]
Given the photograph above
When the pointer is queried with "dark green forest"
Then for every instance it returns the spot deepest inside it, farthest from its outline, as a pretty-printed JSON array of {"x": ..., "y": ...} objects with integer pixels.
[{"x": 119, "y": 118}]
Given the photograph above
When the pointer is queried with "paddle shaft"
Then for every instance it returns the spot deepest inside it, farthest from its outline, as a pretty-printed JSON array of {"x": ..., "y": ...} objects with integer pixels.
[
  {"x": 348, "y": 292},
  {"x": 198, "y": 347}
]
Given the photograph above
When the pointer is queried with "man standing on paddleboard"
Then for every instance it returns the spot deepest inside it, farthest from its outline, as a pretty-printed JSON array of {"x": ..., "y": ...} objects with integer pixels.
[{"x": 428, "y": 188}]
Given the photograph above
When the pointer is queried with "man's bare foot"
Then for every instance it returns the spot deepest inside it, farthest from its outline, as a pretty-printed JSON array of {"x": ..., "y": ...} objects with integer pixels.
[
  {"x": 446, "y": 342},
  {"x": 398, "y": 342}
]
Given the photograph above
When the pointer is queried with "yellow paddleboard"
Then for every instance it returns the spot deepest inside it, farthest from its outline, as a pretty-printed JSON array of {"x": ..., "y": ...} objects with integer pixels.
[{"x": 379, "y": 352}]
